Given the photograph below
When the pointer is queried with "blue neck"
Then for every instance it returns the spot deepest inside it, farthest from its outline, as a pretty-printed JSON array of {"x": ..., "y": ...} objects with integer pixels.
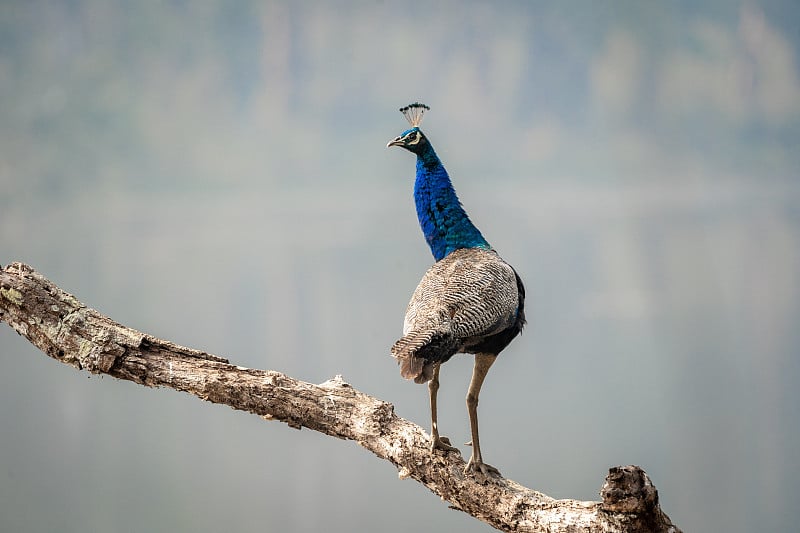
[{"x": 443, "y": 221}]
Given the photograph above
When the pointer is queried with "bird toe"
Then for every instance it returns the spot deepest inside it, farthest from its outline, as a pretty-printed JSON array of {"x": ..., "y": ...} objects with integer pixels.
[
  {"x": 476, "y": 466},
  {"x": 442, "y": 443}
]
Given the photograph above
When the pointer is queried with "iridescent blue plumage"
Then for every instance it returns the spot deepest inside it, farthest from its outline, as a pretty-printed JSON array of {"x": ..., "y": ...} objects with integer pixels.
[{"x": 443, "y": 220}]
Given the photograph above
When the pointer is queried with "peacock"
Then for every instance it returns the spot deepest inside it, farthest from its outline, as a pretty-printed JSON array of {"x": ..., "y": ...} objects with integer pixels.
[{"x": 469, "y": 301}]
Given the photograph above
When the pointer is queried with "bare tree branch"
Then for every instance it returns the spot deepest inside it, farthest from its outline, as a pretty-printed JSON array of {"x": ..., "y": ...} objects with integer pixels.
[{"x": 70, "y": 332}]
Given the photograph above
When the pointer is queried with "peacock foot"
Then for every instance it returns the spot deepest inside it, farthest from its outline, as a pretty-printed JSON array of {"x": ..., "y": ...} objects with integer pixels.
[
  {"x": 442, "y": 443},
  {"x": 476, "y": 465}
]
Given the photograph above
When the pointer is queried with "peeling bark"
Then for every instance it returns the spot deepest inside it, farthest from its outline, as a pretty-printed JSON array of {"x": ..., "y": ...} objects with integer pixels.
[{"x": 68, "y": 331}]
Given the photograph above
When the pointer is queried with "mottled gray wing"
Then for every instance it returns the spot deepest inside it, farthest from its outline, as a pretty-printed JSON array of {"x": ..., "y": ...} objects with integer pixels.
[{"x": 470, "y": 293}]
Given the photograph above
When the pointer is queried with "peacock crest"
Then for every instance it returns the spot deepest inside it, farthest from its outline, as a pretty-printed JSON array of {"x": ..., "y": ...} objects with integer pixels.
[{"x": 414, "y": 113}]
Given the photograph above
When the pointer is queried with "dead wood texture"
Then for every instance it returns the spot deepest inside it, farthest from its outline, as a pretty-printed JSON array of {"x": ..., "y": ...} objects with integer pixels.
[{"x": 68, "y": 331}]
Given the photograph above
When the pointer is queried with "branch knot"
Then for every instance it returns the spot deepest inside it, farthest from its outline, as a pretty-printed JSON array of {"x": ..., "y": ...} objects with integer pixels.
[{"x": 628, "y": 489}]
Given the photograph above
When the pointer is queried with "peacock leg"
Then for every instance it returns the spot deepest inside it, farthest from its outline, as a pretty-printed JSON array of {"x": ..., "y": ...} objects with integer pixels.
[
  {"x": 437, "y": 442},
  {"x": 483, "y": 362}
]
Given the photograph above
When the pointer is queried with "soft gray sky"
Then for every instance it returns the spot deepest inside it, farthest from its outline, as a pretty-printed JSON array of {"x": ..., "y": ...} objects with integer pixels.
[{"x": 214, "y": 173}]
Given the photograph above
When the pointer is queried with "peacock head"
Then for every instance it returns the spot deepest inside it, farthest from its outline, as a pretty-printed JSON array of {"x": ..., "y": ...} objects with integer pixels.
[{"x": 412, "y": 139}]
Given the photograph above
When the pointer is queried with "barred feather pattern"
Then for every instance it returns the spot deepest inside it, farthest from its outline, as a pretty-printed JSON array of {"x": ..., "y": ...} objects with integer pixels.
[{"x": 467, "y": 296}]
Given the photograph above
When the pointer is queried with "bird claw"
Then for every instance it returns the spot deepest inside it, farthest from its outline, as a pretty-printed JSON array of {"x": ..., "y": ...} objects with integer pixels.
[
  {"x": 442, "y": 443},
  {"x": 476, "y": 465}
]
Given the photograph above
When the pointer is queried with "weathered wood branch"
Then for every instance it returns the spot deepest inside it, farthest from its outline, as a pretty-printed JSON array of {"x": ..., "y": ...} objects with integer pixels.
[{"x": 70, "y": 332}]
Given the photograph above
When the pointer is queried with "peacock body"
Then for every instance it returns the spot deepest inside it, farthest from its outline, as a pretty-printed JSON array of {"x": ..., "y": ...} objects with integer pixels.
[
  {"x": 466, "y": 303},
  {"x": 469, "y": 301}
]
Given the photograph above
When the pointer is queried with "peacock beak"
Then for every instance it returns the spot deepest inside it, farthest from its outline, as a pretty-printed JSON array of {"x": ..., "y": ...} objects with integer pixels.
[{"x": 398, "y": 141}]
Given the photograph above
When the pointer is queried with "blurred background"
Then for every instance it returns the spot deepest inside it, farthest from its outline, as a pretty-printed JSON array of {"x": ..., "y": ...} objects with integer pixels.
[{"x": 215, "y": 173}]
